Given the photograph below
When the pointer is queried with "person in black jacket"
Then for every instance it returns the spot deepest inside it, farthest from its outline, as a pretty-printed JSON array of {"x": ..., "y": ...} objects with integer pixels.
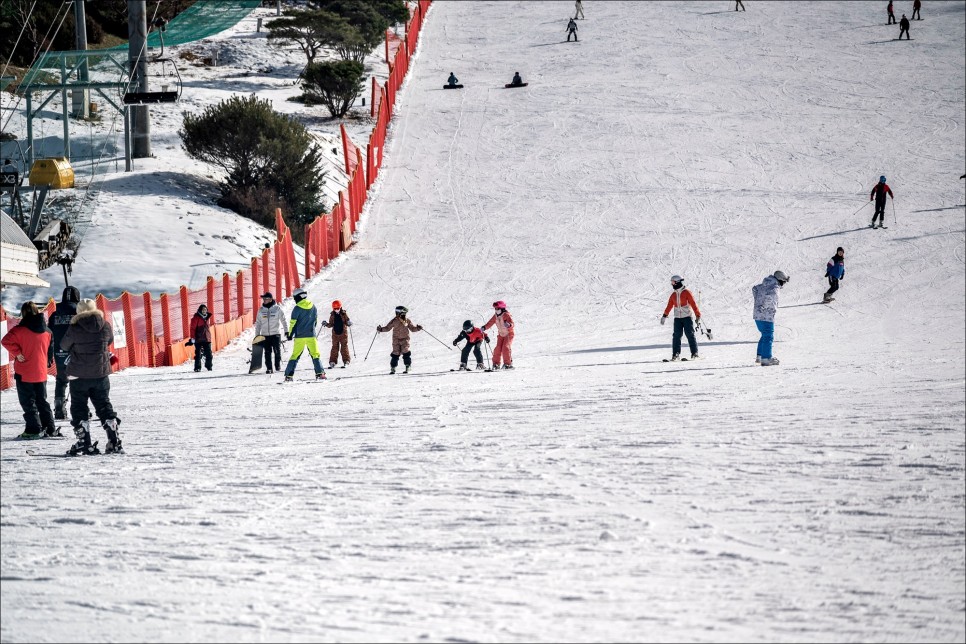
[
  {"x": 904, "y": 27},
  {"x": 88, "y": 368},
  {"x": 59, "y": 322},
  {"x": 474, "y": 337}
]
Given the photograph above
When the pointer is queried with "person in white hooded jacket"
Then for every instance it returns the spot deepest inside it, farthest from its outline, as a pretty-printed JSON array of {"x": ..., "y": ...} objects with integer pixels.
[
  {"x": 270, "y": 323},
  {"x": 766, "y": 305}
]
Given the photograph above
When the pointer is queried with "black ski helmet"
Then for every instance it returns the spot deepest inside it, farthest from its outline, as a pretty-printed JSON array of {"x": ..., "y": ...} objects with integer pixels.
[
  {"x": 71, "y": 294},
  {"x": 468, "y": 325},
  {"x": 402, "y": 310}
]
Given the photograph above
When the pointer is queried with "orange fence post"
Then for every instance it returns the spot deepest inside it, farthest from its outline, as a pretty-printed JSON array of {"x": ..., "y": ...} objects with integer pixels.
[
  {"x": 226, "y": 296},
  {"x": 278, "y": 271},
  {"x": 132, "y": 341},
  {"x": 387, "y": 45},
  {"x": 185, "y": 315},
  {"x": 309, "y": 259},
  {"x": 240, "y": 292},
  {"x": 255, "y": 294},
  {"x": 210, "y": 284},
  {"x": 293, "y": 264},
  {"x": 266, "y": 284},
  {"x": 149, "y": 326},
  {"x": 345, "y": 148},
  {"x": 166, "y": 328}
]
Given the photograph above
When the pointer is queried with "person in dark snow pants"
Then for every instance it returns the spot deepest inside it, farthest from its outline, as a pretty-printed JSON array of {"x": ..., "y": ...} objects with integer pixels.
[
  {"x": 31, "y": 352},
  {"x": 474, "y": 337},
  {"x": 904, "y": 27},
  {"x": 200, "y": 330},
  {"x": 572, "y": 30},
  {"x": 892, "y": 15},
  {"x": 834, "y": 271},
  {"x": 879, "y": 192},
  {"x": 59, "y": 322}
]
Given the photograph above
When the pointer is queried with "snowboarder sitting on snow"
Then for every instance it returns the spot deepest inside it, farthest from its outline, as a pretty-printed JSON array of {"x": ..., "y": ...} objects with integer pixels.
[
  {"x": 200, "y": 331},
  {"x": 59, "y": 323},
  {"x": 572, "y": 30},
  {"x": 766, "y": 305},
  {"x": 400, "y": 327},
  {"x": 452, "y": 81},
  {"x": 834, "y": 271},
  {"x": 504, "y": 331},
  {"x": 270, "y": 324},
  {"x": 474, "y": 338},
  {"x": 517, "y": 81},
  {"x": 339, "y": 322},
  {"x": 879, "y": 192},
  {"x": 682, "y": 302},
  {"x": 31, "y": 351},
  {"x": 904, "y": 27},
  {"x": 301, "y": 328},
  {"x": 89, "y": 368}
]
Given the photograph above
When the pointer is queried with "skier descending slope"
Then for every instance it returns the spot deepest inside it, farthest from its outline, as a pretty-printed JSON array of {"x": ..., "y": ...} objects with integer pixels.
[
  {"x": 474, "y": 338},
  {"x": 834, "y": 271},
  {"x": 766, "y": 305},
  {"x": 301, "y": 328},
  {"x": 682, "y": 302},
  {"x": 401, "y": 328},
  {"x": 503, "y": 322},
  {"x": 879, "y": 192}
]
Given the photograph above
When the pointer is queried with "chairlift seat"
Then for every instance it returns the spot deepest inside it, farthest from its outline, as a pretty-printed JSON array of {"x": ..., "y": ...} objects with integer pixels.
[{"x": 149, "y": 98}]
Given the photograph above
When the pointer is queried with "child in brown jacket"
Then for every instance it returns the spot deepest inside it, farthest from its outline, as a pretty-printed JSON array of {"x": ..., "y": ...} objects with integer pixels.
[
  {"x": 400, "y": 327},
  {"x": 339, "y": 322}
]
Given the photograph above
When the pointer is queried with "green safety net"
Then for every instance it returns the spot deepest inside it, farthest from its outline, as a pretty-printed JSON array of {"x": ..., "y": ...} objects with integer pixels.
[{"x": 202, "y": 19}]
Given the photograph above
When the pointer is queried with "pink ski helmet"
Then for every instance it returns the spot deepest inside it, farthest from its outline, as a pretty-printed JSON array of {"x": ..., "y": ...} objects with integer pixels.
[{"x": 499, "y": 304}]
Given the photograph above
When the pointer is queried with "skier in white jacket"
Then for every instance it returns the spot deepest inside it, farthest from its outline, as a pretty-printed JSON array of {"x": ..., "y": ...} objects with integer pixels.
[
  {"x": 270, "y": 322},
  {"x": 766, "y": 305}
]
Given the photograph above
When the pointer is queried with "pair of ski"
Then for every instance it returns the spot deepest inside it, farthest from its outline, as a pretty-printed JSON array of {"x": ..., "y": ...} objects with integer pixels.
[
  {"x": 873, "y": 226},
  {"x": 31, "y": 452},
  {"x": 679, "y": 359},
  {"x": 483, "y": 370}
]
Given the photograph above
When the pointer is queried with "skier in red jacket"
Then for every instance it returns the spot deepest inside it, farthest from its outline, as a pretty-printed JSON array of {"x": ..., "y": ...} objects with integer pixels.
[
  {"x": 879, "y": 192},
  {"x": 30, "y": 349}
]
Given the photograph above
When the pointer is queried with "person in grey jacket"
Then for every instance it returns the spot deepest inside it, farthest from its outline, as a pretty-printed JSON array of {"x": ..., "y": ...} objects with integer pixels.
[
  {"x": 766, "y": 305},
  {"x": 270, "y": 323},
  {"x": 88, "y": 369}
]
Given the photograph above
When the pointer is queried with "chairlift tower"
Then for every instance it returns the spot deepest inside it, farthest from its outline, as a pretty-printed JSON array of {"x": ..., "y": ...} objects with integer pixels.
[{"x": 140, "y": 117}]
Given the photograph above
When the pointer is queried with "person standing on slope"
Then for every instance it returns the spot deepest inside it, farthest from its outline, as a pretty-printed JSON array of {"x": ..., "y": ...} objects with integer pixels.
[
  {"x": 682, "y": 302},
  {"x": 904, "y": 27},
  {"x": 572, "y": 30},
  {"x": 270, "y": 324},
  {"x": 339, "y": 322},
  {"x": 916, "y": 6},
  {"x": 401, "y": 327},
  {"x": 31, "y": 351},
  {"x": 892, "y": 15},
  {"x": 766, "y": 305},
  {"x": 580, "y": 10},
  {"x": 834, "y": 271},
  {"x": 879, "y": 192},
  {"x": 474, "y": 338},
  {"x": 200, "y": 330},
  {"x": 739, "y": 4},
  {"x": 59, "y": 322},
  {"x": 505, "y": 331},
  {"x": 89, "y": 368},
  {"x": 301, "y": 328}
]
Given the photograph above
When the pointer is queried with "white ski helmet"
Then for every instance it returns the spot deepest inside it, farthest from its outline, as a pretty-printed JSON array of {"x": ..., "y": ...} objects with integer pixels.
[
  {"x": 677, "y": 278},
  {"x": 781, "y": 277},
  {"x": 299, "y": 294}
]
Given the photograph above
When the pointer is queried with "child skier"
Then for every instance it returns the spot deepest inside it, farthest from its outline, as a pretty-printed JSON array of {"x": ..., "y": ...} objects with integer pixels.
[
  {"x": 474, "y": 338},
  {"x": 571, "y": 30},
  {"x": 201, "y": 336},
  {"x": 766, "y": 305},
  {"x": 401, "y": 328},
  {"x": 339, "y": 322},
  {"x": 682, "y": 302},
  {"x": 834, "y": 271},
  {"x": 505, "y": 331},
  {"x": 301, "y": 328}
]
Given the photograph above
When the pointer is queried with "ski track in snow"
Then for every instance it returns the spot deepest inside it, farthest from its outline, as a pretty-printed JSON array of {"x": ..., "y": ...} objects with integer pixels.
[{"x": 594, "y": 493}]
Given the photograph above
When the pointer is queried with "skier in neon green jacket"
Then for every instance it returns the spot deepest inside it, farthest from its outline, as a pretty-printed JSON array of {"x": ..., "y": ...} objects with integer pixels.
[{"x": 301, "y": 329}]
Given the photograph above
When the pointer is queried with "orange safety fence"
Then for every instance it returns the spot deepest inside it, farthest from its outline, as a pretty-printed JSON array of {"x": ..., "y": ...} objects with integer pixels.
[{"x": 152, "y": 331}]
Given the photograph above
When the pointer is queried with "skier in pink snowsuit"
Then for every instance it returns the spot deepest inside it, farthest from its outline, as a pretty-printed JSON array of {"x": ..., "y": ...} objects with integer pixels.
[{"x": 504, "y": 329}]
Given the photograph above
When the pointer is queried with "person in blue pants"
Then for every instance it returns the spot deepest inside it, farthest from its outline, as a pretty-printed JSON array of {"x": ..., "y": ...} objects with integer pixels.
[
  {"x": 766, "y": 305},
  {"x": 301, "y": 328}
]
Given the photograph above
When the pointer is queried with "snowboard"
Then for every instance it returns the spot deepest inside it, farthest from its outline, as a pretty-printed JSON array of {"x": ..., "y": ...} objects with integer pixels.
[
  {"x": 258, "y": 351},
  {"x": 460, "y": 86},
  {"x": 509, "y": 85}
]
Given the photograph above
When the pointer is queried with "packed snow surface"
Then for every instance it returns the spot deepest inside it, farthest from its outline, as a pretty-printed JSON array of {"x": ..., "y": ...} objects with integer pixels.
[{"x": 595, "y": 492}]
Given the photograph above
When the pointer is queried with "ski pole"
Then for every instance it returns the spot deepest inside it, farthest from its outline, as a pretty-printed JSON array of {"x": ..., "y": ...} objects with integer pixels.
[
  {"x": 370, "y": 345},
  {"x": 894, "y": 220},
  {"x": 352, "y": 340},
  {"x": 860, "y": 209},
  {"x": 438, "y": 340},
  {"x": 489, "y": 363}
]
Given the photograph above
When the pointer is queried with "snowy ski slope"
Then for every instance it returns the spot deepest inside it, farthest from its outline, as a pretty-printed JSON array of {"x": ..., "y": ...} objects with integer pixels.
[{"x": 594, "y": 493}]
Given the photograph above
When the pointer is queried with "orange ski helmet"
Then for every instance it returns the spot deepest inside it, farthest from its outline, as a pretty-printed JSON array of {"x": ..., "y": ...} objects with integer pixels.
[{"x": 336, "y": 304}]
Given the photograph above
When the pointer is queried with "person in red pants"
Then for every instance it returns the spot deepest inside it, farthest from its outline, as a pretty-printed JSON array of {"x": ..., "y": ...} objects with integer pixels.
[{"x": 503, "y": 322}]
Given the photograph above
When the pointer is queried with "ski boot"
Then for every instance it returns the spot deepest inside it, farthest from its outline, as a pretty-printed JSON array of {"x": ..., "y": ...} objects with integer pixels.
[
  {"x": 113, "y": 436},
  {"x": 462, "y": 367},
  {"x": 757, "y": 359},
  {"x": 480, "y": 366},
  {"x": 769, "y": 362},
  {"x": 83, "y": 446},
  {"x": 695, "y": 356},
  {"x": 320, "y": 376},
  {"x": 60, "y": 409},
  {"x": 392, "y": 370},
  {"x": 53, "y": 432},
  {"x": 508, "y": 366},
  {"x": 331, "y": 365},
  {"x": 289, "y": 379},
  {"x": 408, "y": 367}
]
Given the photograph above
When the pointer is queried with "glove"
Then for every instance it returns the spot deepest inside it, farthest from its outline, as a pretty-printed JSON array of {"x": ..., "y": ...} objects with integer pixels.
[
  {"x": 419, "y": 327},
  {"x": 325, "y": 324},
  {"x": 487, "y": 338},
  {"x": 378, "y": 329},
  {"x": 663, "y": 319},
  {"x": 349, "y": 323},
  {"x": 289, "y": 336},
  {"x": 697, "y": 320},
  {"x": 455, "y": 342},
  {"x": 114, "y": 360},
  {"x": 190, "y": 342}
]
